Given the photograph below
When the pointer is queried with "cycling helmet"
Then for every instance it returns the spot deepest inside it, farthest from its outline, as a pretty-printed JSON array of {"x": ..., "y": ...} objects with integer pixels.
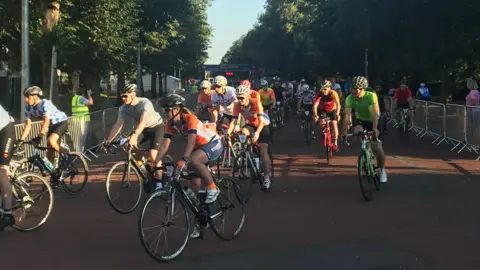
[
  {"x": 305, "y": 87},
  {"x": 242, "y": 90},
  {"x": 129, "y": 88},
  {"x": 302, "y": 81},
  {"x": 263, "y": 82},
  {"x": 205, "y": 84},
  {"x": 220, "y": 80},
  {"x": 246, "y": 83},
  {"x": 325, "y": 84},
  {"x": 172, "y": 100},
  {"x": 422, "y": 85},
  {"x": 359, "y": 82},
  {"x": 32, "y": 91}
]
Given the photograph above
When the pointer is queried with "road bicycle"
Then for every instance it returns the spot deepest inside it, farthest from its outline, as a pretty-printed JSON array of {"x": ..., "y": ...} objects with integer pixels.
[
  {"x": 69, "y": 167},
  {"x": 176, "y": 202},
  {"x": 368, "y": 172},
  {"x": 327, "y": 137},
  {"x": 132, "y": 176},
  {"x": 307, "y": 125},
  {"x": 31, "y": 192},
  {"x": 248, "y": 168}
]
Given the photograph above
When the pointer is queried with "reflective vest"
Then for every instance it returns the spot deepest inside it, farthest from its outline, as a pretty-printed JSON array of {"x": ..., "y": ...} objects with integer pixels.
[{"x": 79, "y": 109}]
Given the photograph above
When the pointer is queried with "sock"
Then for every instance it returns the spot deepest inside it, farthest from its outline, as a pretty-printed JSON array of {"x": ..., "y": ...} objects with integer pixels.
[{"x": 212, "y": 186}]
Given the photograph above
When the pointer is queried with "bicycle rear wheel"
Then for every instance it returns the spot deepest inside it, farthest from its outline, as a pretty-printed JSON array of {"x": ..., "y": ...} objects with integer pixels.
[
  {"x": 229, "y": 200},
  {"x": 308, "y": 132},
  {"x": 30, "y": 192},
  {"x": 364, "y": 178},
  {"x": 72, "y": 168},
  {"x": 119, "y": 177},
  {"x": 159, "y": 202}
]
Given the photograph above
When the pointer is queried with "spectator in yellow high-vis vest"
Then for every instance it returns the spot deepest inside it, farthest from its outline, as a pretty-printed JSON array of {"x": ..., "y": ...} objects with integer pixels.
[{"x": 80, "y": 116}]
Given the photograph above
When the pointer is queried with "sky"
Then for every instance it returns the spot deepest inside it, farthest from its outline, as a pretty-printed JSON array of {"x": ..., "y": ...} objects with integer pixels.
[{"x": 230, "y": 19}]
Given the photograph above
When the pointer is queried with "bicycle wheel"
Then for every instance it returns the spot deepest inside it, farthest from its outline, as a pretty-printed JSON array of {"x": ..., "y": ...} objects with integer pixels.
[
  {"x": 30, "y": 192},
  {"x": 127, "y": 181},
  {"x": 229, "y": 200},
  {"x": 243, "y": 172},
  {"x": 376, "y": 179},
  {"x": 72, "y": 168},
  {"x": 308, "y": 132},
  {"x": 146, "y": 228},
  {"x": 365, "y": 180}
]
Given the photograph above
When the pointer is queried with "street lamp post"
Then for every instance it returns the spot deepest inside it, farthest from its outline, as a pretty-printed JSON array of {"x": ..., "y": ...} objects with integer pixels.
[{"x": 25, "y": 75}]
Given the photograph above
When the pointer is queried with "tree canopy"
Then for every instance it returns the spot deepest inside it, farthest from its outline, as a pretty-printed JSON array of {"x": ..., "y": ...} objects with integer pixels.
[
  {"x": 100, "y": 36},
  {"x": 423, "y": 40}
]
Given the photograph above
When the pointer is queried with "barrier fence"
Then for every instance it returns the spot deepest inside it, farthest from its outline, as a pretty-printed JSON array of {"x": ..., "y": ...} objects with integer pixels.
[{"x": 452, "y": 124}]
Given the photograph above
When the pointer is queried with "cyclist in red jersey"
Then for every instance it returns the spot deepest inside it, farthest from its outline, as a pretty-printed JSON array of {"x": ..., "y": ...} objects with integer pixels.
[
  {"x": 403, "y": 100},
  {"x": 327, "y": 102}
]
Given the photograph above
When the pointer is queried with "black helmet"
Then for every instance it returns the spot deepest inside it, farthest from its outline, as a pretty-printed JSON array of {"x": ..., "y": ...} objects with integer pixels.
[
  {"x": 33, "y": 90},
  {"x": 172, "y": 100},
  {"x": 129, "y": 88}
]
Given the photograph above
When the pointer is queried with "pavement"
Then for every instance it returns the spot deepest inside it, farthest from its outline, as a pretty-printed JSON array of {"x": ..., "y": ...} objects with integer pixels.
[{"x": 314, "y": 218}]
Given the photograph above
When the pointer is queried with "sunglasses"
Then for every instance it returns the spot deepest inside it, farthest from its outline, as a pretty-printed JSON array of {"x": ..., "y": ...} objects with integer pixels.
[
  {"x": 241, "y": 98},
  {"x": 125, "y": 96},
  {"x": 167, "y": 110},
  {"x": 217, "y": 86}
]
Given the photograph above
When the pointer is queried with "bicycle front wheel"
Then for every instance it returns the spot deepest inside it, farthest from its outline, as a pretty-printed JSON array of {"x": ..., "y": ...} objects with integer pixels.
[
  {"x": 364, "y": 177},
  {"x": 244, "y": 173},
  {"x": 32, "y": 201},
  {"x": 74, "y": 175},
  {"x": 153, "y": 233},
  {"x": 125, "y": 179},
  {"x": 230, "y": 206}
]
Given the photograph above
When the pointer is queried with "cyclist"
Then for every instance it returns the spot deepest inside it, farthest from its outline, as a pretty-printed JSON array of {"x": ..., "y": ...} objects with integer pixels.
[
  {"x": 7, "y": 137},
  {"x": 150, "y": 124},
  {"x": 367, "y": 113},
  {"x": 223, "y": 99},
  {"x": 55, "y": 122},
  {"x": 204, "y": 101},
  {"x": 305, "y": 101},
  {"x": 328, "y": 103},
  {"x": 267, "y": 96},
  {"x": 256, "y": 126},
  {"x": 279, "y": 97},
  {"x": 403, "y": 99},
  {"x": 300, "y": 86},
  {"x": 203, "y": 145}
]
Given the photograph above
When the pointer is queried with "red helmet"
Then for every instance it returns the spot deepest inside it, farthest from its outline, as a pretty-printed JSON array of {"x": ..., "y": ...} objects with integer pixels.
[{"x": 246, "y": 83}]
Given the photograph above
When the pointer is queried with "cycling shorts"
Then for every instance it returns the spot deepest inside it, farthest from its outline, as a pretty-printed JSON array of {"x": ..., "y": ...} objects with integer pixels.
[
  {"x": 59, "y": 129},
  {"x": 264, "y": 136},
  {"x": 153, "y": 135}
]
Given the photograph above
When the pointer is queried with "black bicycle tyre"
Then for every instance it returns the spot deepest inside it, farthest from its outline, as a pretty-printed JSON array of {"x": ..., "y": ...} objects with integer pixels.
[
  {"x": 179, "y": 201},
  {"x": 50, "y": 195},
  {"x": 245, "y": 180},
  {"x": 328, "y": 152},
  {"x": 365, "y": 186},
  {"x": 241, "y": 204},
  {"x": 376, "y": 180},
  {"x": 108, "y": 184},
  {"x": 85, "y": 180}
]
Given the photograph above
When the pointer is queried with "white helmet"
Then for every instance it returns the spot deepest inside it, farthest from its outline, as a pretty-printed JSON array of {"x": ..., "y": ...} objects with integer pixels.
[
  {"x": 422, "y": 85},
  {"x": 242, "y": 90},
  {"x": 205, "y": 84},
  {"x": 220, "y": 80},
  {"x": 305, "y": 87},
  {"x": 302, "y": 80},
  {"x": 263, "y": 82}
]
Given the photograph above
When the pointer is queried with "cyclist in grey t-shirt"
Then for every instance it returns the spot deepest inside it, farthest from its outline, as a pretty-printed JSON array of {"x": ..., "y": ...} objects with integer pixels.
[{"x": 150, "y": 123}]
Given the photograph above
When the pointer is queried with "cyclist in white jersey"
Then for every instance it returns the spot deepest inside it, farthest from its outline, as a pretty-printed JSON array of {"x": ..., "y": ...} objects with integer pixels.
[{"x": 223, "y": 100}]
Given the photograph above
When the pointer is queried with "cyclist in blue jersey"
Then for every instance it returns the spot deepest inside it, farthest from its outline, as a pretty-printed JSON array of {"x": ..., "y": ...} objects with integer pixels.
[
  {"x": 7, "y": 136},
  {"x": 55, "y": 122}
]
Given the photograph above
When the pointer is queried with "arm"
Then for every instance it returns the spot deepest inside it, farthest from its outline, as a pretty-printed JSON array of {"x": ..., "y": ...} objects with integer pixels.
[
  {"x": 45, "y": 124},
  {"x": 90, "y": 99},
  {"x": 163, "y": 149},
  {"x": 235, "y": 119},
  {"x": 347, "y": 120},
  {"x": 115, "y": 130},
  {"x": 215, "y": 111},
  {"x": 192, "y": 137},
  {"x": 315, "y": 108},
  {"x": 26, "y": 130},
  {"x": 375, "y": 114}
]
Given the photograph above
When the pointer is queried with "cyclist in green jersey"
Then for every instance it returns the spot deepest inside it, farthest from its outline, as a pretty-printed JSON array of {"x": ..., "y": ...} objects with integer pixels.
[{"x": 367, "y": 113}]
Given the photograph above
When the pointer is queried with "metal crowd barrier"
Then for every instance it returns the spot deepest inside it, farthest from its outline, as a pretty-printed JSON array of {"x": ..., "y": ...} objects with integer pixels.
[{"x": 456, "y": 125}]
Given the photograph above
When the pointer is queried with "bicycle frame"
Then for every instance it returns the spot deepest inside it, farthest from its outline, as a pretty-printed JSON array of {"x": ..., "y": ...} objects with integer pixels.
[{"x": 366, "y": 148}]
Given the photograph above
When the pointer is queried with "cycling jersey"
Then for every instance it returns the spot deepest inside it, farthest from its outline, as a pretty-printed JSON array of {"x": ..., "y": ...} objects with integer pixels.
[
  {"x": 251, "y": 114},
  {"x": 5, "y": 118},
  {"x": 328, "y": 102},
  {"x": 191, "y": 125},
  {"x": 278, "y": 93},
  {"x": 267, "y": 96},
  {"x": 226, "y": 100},
  {"x": 45, "y": 108},
  {"x": 204, "y": 98},
  {"x": 402, "y": 96},
  {"x": 306, "y": 97},
  {"x": 363, "y": 105}
]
